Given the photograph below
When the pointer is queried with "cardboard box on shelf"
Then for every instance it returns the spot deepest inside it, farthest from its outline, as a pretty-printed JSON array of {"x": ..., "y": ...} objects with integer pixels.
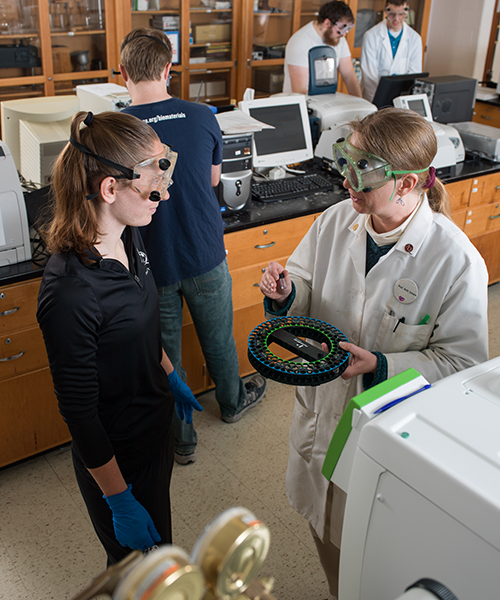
[
  {"x": 165, "y": 22},
  {"x": 216, "y": 88},
  {"x": 197, "y": 88},
  {"x": 269, "y": 80},
  {"x": 215, "y": 32},
  {"x": 272, "y": 31},
  {"x": 61, "y": 59},
  {"x": 282, "y": 5}
]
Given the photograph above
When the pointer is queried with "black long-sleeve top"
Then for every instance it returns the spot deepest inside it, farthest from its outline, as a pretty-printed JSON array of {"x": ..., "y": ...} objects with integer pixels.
[{"x": 101, "y": 326}]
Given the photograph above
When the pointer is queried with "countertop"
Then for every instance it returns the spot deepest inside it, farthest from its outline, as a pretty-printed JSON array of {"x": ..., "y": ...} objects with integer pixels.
[{"x": 264, "y": 213}]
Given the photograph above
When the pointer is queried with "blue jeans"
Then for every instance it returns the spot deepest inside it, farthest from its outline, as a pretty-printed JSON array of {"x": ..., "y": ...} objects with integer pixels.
[{"x": 210, "y": 303}]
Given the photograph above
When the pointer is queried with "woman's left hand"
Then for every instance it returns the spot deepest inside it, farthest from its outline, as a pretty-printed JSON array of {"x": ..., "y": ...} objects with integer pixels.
[
  {"x": 184, "y": 398},
  {"x": 362, "y": 361}
]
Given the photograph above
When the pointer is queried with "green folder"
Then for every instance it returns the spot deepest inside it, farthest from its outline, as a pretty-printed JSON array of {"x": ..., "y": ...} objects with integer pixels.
[{"x": 344, "y": 427}]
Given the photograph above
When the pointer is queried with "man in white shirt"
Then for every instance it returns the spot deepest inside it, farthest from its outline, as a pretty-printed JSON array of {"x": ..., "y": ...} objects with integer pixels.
[
  {"x": 334, "y": 21},
  {"x": 389, "y": 48}
]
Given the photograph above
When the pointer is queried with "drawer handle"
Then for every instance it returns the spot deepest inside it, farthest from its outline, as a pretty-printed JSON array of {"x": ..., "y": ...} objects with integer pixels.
[
  {"x": 497, "y": 187},
  {"x": 13, "y": 357},
  {"x": 264, "y": 246},
  {"x": 9, "y": 312},
  {"x": 487, "y": 118},
  {"x": 494, "y": 217},
  {"x": 256, "y": 285}
]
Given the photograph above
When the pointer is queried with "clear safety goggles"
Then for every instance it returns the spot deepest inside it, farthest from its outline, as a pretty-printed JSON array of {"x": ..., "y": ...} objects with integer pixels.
[
  {"x": 364, "y": 171},
  {"x": 400, "y": 14},
  {"x": 154, "y": 174},
  {"x": 344, "y": 28}
]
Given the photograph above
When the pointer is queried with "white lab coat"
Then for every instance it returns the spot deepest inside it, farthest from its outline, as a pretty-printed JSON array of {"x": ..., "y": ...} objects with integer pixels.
[
  {"x": 377, "y": 59},
  {"x": 328, "y": 270}
]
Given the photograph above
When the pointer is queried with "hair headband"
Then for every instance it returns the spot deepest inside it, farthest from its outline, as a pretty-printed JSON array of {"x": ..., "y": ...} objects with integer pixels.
[{"x": 151, "y": 37}]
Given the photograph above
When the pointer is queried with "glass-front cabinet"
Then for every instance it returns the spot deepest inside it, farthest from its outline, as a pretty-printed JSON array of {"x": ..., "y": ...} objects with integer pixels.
[{"x": 48, "y": 47}]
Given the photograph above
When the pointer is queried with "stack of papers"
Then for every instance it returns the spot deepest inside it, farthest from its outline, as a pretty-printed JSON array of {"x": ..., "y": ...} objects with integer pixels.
[{"x": 237, "y": 121}]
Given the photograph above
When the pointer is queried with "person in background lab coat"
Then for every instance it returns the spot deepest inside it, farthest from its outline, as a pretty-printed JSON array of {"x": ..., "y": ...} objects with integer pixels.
[
  {"x": 389, "y": 48},
  {"x": 390, "y": 269}
]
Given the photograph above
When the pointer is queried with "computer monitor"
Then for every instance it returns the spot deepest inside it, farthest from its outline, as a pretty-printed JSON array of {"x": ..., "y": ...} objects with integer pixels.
[
  {"x": 392, "y": 86},
  {"x": 290, "y": 140},
  {"x": 45, "y": 109}
]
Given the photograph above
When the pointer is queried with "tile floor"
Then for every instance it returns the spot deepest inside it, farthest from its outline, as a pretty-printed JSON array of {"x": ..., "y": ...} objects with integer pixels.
[{"x": 48, "y": 550}]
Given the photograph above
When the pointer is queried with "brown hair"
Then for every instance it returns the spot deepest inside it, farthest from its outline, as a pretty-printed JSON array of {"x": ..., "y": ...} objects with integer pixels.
[
  {"x": 118, "y": 137},
  {"x": 335, "y": 11},
  {"x": 145, "y": 53},
  {"x": 406, "y": 141},
  {"x": 396, "y": 2}
]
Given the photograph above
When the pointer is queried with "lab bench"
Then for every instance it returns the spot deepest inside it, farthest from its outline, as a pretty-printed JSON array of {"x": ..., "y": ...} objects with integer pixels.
[{"x": 29, "y": 418}]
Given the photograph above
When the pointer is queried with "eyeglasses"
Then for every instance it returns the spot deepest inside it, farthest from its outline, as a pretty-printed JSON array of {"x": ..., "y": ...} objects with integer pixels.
[
  {"x": 392, "y": 15},
  {"x": 344, "y": 28},
  {"x": 364, "y": 171}
]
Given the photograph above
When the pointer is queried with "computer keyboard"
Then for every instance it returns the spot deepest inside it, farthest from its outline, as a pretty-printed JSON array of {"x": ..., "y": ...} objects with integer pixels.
[{"x": 290, "y": 187}]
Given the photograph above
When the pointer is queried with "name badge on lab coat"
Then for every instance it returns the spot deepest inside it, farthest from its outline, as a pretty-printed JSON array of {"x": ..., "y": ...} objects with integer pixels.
[{"x": 405, "y": 291}]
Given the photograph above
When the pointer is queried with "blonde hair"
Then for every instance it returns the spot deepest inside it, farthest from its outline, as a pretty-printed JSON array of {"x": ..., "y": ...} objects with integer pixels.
[
  {"x": 145, "y": 53},
  {"x": 118, "y": 137},
  {"x": 407, "y": 141}
]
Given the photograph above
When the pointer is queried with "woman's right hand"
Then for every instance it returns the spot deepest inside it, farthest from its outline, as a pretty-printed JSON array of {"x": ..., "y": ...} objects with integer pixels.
[{"x": 270, "y": 284}]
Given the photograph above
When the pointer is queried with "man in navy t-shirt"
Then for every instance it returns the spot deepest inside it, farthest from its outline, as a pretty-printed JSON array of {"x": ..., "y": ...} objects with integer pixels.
[{"x": 185, "y": 241}]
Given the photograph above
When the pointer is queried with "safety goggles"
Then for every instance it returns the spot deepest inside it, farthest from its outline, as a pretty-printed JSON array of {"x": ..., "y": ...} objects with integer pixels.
[
  {"x": 151, "y": 177},
  {"x": 364, "y": 171},
  {"x": 393, "y": 15},
  {"x": 344, "y": 28},
  {"x": 154, "y": 174}
]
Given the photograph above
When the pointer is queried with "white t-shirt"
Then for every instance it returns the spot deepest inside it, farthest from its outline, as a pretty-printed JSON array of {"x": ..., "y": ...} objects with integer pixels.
[{"x": 298, "y": 46}]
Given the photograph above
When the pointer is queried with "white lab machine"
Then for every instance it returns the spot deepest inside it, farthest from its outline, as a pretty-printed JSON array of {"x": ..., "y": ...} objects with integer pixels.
[
  {"x": 423, "y": 488},
  {"x": 334, "y": 110},
  {"x": 15, "y": 244},
  {"x": 101, "y": 97},
  {"x": 450, "y": 147}
]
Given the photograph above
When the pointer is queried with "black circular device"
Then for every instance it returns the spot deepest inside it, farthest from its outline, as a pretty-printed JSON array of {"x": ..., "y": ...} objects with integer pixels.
[{"x": 317, "y": 367}]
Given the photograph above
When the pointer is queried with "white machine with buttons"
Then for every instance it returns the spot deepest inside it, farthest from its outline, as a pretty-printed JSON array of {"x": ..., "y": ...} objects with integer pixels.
[
  {"x": 424, "y": 491},
  {"x": 15, "y": 243}
]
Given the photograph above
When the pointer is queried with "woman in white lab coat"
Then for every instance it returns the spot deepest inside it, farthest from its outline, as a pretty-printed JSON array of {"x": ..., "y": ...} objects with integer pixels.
[
  {"x": 377, "y": 58},
  {"x": 391, "y": 270}
]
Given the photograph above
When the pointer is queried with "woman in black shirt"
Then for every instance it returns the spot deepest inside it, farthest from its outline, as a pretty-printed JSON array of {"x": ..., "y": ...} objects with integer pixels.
[{"x": 98, "y": 311}]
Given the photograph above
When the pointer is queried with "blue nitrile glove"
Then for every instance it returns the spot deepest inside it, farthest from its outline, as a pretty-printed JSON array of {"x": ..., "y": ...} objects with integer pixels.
[
  {"x": 184, "y": 399},
  {"x": 133, "y": 525}
]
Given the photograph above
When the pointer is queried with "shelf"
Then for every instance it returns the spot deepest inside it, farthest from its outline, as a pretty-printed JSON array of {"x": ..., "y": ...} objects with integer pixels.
[
  {"x": 20, "y": 36},
  {"x": 72, "y": 33},
  {"x": 213, "y": 66},
  {"x": 168, "y": 11},
  {"x": 272, "y": 14},
  {"x": 268, "y": 62}
]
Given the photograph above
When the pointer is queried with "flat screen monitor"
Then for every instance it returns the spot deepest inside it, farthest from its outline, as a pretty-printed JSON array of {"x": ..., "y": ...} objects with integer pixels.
[
  {"x": 290, "y": 140},
  {"x": 392, "y": 86},
  {"x": 45, "y": 109}
]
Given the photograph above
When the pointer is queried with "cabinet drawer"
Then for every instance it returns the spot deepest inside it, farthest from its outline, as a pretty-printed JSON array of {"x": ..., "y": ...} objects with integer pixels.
[
  {"x": 482, "y": 219},
  {"x": 261, "y": 244},
  {"x": 21, "y": 352},
  {"x": 459, "y": 193},
  {"x": 29, "y": 418},
  {"x": 485, "y": 189},
  {"x": 246, "y": 289},
  {"x": 18, "y": 306},
  {"x": 458, "y": 217},
  {"x": 486, "y": 114}
]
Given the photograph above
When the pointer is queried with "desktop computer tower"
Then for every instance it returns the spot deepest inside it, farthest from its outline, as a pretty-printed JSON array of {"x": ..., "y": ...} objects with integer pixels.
[
  {"x": 234, "y": 191},
  {"x": 451, "y": 97}
]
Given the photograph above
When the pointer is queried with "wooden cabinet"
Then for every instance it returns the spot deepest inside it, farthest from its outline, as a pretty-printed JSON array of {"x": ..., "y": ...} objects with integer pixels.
[
  {"x": 475, "y": 206},
  {"x": 49, "y": 46},
  {"x": 248, "y": 253},
  {"x": 29, "y": 418},
  {"x": 487, "y": 114}
]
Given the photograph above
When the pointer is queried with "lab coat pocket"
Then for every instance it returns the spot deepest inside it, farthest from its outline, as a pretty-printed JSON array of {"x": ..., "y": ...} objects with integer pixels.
[
  {"x": 401, "y": 337},
  {"x": 303, "y": 429}
]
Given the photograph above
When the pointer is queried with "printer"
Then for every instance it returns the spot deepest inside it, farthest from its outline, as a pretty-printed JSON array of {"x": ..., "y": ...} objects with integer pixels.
[
  {"x": 333, "y": 111},
  {"x": 421, "y": 467},
  {"x": 15, "y": 244},
  {"x": 101, "y": 97}
]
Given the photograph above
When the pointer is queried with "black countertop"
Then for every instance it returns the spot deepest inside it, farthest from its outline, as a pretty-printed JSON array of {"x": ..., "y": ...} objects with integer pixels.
[{"x": 261, "y": 213}]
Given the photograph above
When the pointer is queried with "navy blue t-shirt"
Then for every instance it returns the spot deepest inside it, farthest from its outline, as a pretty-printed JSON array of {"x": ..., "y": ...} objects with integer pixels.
[{"x": 185, "y": 238}]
